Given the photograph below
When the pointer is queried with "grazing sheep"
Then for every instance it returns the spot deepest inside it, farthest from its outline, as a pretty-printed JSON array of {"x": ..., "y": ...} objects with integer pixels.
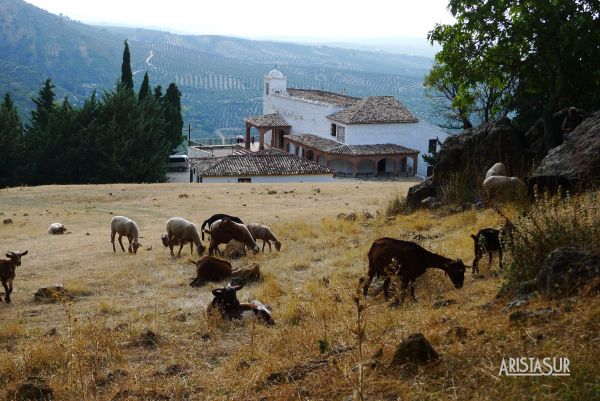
[
  {"x": 487, "y": 240},
  {"x": 181, "y": 231},
  {"x": 260, "y": 231},
  {"x": 7, "y": 271},
  {"x": 412, "y": 261},
  {"x": 219, "y": 216},
  {"x": 497, "y": 169},
  {"x": 125, "y": 227},
  {"x": 225, "y": 302},
  {"x": 209, "y": 268},
  {"x": 56, "y": 229},
  {"x": 504, "y": 187},
  {"x": 225, "y": 230}
]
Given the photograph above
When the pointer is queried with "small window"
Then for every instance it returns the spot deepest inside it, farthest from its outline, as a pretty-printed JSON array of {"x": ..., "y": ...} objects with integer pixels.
[
  {"x": 341, "y": 134},
  {"x": 245, "y": 179},
  {"x": 333, "y": 129},
  {"x": 433, "y": 145},
  {"x": 267, "y": 88}
]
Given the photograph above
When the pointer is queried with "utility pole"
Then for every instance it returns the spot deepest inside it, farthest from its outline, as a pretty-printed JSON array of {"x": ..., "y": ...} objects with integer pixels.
[{"x": 189, "y": 130}]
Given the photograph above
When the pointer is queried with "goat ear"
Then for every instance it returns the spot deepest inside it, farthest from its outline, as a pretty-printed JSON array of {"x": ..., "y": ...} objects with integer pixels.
[
  {"x": 474, "y": 237},
  {"x": 9, "y": 255},
  {"x": 24, "y": 253},
  {"x": 217, "y": 291},
  {"x": 237, "y": 287}
]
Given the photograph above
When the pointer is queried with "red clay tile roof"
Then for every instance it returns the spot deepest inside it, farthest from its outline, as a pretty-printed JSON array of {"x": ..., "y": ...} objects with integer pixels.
[
  {"x": 266, "y": 163},
  {"x": 336, "y": 99},
  {"x": 375, "y": 110},
  {"x": 334, "y": 147},
  {"x": 268, "y": 120}
]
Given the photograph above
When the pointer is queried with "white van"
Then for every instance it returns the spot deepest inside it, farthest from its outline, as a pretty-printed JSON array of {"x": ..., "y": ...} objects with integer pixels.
[{"x": 178, "y": 163}]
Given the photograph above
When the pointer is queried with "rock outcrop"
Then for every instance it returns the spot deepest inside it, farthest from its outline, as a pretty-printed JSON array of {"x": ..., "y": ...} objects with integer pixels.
[
  {"x": 578, "y": 157},
  {"x": 415, "y": 349},
  {"x": 474, "y": 151},
  {"x": 565, "y": 271}
]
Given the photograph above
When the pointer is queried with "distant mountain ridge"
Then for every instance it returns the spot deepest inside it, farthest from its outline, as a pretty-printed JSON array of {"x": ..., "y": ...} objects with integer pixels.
[{"x": 220, "y": 77}]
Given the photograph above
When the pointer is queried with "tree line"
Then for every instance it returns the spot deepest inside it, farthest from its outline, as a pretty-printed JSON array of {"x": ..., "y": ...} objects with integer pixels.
[
  {"x": 527, "y": 59},
  {"x": 120, "y": 136}
]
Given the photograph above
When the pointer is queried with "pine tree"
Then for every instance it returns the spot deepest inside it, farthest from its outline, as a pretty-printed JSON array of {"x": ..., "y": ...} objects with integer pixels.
[
  {"x": 10, "y": 137},
  {"x": 145, "y": 88},
  {"x": 126, "y": 74},
  {"x": 172, "y": 104}
]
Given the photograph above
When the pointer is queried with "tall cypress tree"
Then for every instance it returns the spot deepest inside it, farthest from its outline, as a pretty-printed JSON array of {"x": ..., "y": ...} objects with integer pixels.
[
  {"x": 126, "y": 74},
  {"x": 38, "y": 138},
  {"x": 172, "y": 105},
  {"x": 145, "y": 88},
  {"x": 10, "y": 136},
  {"x": 158, "y": 93}
]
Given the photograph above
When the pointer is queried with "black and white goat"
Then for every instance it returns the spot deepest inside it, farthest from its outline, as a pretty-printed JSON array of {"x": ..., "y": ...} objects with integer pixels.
[
  {"x": 227, "y": 304},
  {"x": 7, "y": 271}
]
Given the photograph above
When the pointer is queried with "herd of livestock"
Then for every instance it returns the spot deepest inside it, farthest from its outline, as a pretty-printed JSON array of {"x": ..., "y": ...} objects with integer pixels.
[{"x": 388, "y": 257}]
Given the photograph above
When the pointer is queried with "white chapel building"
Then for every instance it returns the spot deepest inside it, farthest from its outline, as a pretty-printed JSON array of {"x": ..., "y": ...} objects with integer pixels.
[{"x": 372, "y": 136}]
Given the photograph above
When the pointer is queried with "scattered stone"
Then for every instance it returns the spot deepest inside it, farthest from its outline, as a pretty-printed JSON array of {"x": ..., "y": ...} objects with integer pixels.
[
  {"x": 432, "y": 202},
  {"x": 147, "y": 338},
  {"x": 205, "y": 337},
  {"x": 8, "y": 221},
  {"x": 184, "y": 195},
  {"x": 51, "y": 332},
  {"x": 520, "y": 300},
  {"x": 415, "y": 349},
  {"x": 350, "y": 217},
  {"x": 367, "y": 215},
  {"x": 422, "y": 190},
  {"x": 318, "y": 190},
  {"x": 459, "y": 332},
  {"x": 34, "y": 388},
  {"x": 541, "y": 315},
  {"x": 121, "y": 326},
  {"x": 110, "y": 194},
  {"x": 25, "y": 214},
  {"x": 127, "y": 394},
  {"x": 53, "y": 294},
  {"x": 87, "y": 233},
  {"x": 246, "y": 275},
  {"x": 271, "y": 192},
  {"x": 341, "y": 216},
  {"x": 565, "y": 271},
  {"x": 149, "y": 248},
  {"x": 443, "y": 303}
]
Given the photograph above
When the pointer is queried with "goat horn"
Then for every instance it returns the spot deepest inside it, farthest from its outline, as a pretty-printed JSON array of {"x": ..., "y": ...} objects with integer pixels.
[{"x": 194, "y": 262}]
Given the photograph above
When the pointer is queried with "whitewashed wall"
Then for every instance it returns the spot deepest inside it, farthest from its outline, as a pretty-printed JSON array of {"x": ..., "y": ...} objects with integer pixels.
[
  {"x": 411, "y": 135},
  {"x": 271, "y": 179},
  {"x": 305, "y": 117}
]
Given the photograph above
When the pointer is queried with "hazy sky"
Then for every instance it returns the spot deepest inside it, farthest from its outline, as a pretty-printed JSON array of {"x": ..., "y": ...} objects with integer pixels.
[{"x": 326, "y": 19}]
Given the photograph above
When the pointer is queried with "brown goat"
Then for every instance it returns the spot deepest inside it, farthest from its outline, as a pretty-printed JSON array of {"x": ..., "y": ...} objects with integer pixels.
[
  {"x": 412, "y": 261},
  {"x": 225, "y": 302},
  {"x": 7, "y": 271},
  {"x": 225, "y": 230},
  {"x": 209, "y": 268}
]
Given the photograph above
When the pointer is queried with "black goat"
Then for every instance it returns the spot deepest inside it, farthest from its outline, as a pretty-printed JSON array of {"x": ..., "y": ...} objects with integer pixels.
[
  {"x": 487, "y": 240},
  {"x": 218, "y": 216}
]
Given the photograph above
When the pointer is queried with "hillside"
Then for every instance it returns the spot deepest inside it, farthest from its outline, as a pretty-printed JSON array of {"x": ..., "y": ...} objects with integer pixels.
[
  {"x": 90, "y": 348},
  {"x": 220, "y": 77}
]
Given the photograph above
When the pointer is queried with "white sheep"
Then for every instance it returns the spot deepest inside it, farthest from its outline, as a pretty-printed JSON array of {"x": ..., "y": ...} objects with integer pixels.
[
  {"x": 499, "y": 187},
  {"x": 260, "y": 231},
  {"x": 182, "y": 231},
  {"x": 56, "y": 229},
  {"x": 125, "y": 227},
  {"x": 496, "y": 169}
]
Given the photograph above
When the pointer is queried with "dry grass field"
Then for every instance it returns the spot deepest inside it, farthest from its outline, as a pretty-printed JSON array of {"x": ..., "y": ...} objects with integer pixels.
[{"x": 88, "y": 348}]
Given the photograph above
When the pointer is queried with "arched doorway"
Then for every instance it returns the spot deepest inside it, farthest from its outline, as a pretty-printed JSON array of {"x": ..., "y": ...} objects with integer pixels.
[
  {"x": 310, "y": 155},
  {"x": 385, "y": 167},
  {"x": 365, "y": 168},
  {"x": 344, "y": 167}
]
